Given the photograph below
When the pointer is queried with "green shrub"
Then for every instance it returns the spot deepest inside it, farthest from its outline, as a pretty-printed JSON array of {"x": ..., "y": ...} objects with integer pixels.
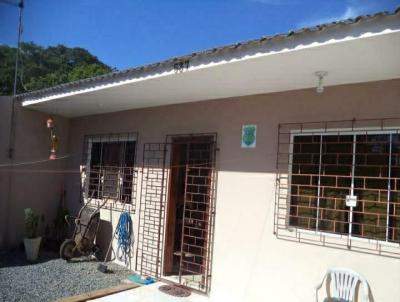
[{"x": 31, "y": 223}]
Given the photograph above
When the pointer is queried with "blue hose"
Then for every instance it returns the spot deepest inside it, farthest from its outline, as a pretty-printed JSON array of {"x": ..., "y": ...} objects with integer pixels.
[{"x": 124, "y": 233}]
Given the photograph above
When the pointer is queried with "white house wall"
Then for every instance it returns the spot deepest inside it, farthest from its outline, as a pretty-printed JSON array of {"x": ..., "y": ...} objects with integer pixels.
[{"x": 249, "y": 262}]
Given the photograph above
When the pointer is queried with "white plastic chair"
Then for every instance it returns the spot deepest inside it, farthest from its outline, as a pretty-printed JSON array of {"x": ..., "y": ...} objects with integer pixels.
[{"x": 343, "y": 284}]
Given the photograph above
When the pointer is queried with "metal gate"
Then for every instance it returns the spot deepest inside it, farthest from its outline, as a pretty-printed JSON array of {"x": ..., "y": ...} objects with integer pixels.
[
  {"x": 152, "y": 209},
  {"x": 198, "y": 213},
  {"x": 198, "y": 217}
]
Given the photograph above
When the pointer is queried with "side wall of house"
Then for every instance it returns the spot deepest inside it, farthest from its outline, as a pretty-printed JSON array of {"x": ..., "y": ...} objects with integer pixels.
[
  {"x": 30, "y": 180},
  {"x": 249, "y": 262},
  {"x": 5, "y": 115}
]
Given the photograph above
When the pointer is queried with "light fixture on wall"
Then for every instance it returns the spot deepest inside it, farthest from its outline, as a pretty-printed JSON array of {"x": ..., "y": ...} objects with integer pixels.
[{"x": 320, "y": 75}]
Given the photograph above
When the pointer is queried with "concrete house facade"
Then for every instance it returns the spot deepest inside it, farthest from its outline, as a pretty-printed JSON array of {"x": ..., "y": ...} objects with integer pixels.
[{"x": 243, "y": 182}]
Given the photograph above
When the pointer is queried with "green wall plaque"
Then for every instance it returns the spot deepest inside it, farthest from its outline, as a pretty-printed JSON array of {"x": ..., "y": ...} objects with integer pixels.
[{"x": 249, "y": 136}]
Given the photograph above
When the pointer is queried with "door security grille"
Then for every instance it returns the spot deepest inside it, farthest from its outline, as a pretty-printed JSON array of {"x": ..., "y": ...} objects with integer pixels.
[{"x": 198, "y": 212}]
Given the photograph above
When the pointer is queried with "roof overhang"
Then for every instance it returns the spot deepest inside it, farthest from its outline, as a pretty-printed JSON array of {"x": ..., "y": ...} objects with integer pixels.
[{"x": 369, "y": 51}]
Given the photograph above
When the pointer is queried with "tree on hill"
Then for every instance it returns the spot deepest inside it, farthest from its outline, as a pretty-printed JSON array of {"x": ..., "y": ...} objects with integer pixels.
[{"x": 42, "y": 67}]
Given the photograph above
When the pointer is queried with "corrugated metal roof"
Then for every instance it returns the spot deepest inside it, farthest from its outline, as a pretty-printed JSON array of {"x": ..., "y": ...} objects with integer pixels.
[{"x": 136, "y": 71}]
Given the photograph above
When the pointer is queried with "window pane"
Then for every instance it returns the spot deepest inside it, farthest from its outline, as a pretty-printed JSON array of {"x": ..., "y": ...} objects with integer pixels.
[
  {"x": 112, "y": 170},
  {"x": 111, "y": 162},
  {"x": 129, "y": 154},
  {"x": 371, "y": 184},
  {"x": 336, "y": 162},
  {"x": 128, "y": 171},
  {"x": 323, "y": 207},
  {"x": 95, "y": 155},
  {"x": 112, "y": 154},
  {"x": 110, "y": 188},
  {"x": 304, "y": 181}
]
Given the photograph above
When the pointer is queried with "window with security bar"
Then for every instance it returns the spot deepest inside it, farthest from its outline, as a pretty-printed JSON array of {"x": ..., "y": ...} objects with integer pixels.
[
  {"x": 110, "y": 167},
  {"x": 346, "y": 182}
]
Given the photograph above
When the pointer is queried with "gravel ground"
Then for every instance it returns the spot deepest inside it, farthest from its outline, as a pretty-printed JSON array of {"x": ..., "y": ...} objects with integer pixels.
[{"x": 52, "y": 278}]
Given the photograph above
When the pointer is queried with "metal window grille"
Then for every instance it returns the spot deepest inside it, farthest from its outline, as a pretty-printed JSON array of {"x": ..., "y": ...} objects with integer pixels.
[
  {"x": 108, "y": 169},
  {"x": 323, "y": 166}
]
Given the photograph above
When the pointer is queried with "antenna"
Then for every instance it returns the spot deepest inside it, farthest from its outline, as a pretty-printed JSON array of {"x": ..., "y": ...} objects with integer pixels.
[
  {"x": 20, "y": 5},
  {"x": 12, "y": 2}
]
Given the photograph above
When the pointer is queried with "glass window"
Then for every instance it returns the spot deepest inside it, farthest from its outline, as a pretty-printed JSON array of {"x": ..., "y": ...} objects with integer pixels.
[
  {"x": 325, "y": 169},
  {"x": 111, "y": 173}
]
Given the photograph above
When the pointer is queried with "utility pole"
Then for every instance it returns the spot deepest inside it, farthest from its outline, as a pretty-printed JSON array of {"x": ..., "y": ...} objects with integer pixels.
[
  {"x": 7, "y": 201},
  {"x": 20, "y": 5}
]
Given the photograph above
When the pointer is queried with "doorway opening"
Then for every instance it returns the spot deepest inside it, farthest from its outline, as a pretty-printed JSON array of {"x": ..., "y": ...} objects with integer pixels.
[{"x": 188, "y": 211}]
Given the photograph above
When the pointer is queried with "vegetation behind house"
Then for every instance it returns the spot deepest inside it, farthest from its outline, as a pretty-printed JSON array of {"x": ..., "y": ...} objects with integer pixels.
[{"x": 42, "y": 67}]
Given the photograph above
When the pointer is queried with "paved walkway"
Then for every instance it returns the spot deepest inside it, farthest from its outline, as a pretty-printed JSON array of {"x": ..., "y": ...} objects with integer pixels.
[{"x": 149, "y": 293}]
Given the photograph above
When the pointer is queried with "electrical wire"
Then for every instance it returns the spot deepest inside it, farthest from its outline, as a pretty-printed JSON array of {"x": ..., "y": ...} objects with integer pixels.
[
  {"x": 198, "y": 165},
  {"x": 33, "y": 162}
]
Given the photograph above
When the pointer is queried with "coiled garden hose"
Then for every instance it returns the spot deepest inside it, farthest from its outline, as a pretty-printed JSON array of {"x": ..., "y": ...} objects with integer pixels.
[{"x": 124, "y": 234}]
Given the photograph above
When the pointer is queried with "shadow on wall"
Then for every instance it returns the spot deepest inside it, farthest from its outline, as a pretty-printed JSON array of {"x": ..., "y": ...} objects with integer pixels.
[
  {"x": 29, "y": 179},
  {"x": 105, "y": 234}
]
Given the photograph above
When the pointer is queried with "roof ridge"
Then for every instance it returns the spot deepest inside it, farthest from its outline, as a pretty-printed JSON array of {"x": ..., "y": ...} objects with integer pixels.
[{"x": 213, "y": 50}]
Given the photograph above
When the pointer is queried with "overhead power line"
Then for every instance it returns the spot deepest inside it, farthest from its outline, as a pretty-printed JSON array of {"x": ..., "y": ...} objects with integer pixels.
[{"x": 18, "y": 3}]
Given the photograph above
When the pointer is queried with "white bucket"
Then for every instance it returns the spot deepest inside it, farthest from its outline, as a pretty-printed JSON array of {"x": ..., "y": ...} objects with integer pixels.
[{"x": 32, "y": 246}]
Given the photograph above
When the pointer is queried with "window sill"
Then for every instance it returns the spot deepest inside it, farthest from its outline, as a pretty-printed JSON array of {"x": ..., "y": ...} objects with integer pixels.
[
  {"x": 345, "y": 237},
  {"x": 112, "y": 205}
]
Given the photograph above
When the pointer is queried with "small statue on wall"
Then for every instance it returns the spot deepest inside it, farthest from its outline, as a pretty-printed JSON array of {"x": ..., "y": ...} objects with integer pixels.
[{"x": 53, "y": 138}]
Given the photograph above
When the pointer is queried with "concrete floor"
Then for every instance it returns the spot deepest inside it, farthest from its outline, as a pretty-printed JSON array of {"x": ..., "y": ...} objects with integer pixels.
[{"x": 149, "y": 293}]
